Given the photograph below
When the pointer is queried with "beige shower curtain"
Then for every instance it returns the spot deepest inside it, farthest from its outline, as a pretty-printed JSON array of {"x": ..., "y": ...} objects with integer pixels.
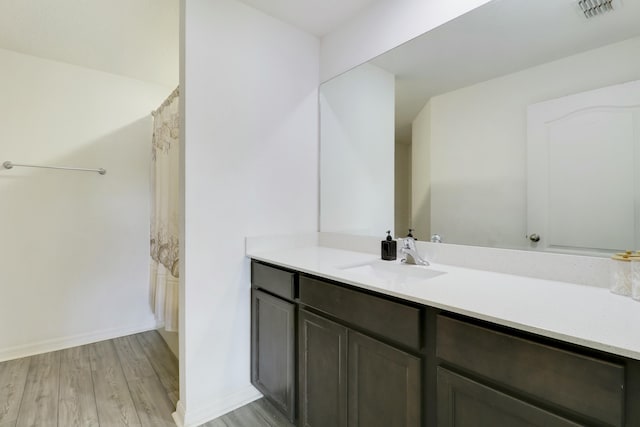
[{"x": 165, "y": 253}]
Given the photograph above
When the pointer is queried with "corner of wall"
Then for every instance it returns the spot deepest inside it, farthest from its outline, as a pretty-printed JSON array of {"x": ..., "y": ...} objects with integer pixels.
[{"x": 195, "y": 417}]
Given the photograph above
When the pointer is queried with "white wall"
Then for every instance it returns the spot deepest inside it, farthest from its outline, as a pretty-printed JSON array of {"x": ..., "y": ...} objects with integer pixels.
[
  {"x": 172, "y": 340},
  {"x": 421, "y": 175},
  {"x": 383, "y": 26},
  {"x": 137, "y": 39},
  {"x": 251, "y": 134},
  {"x": 356, "y": 154},
  {"x": 478, "y": 142},
  {"x": 74, "y": 246},
  {"x": 402, "y": 189}
]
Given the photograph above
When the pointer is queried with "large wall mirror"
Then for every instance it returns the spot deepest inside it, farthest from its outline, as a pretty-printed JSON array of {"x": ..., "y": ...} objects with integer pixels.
[{"x": 516, "y": 125}]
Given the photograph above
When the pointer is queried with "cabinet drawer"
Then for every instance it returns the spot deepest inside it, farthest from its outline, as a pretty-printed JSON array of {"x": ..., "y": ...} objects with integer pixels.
[
  {"x": 588, "y": 386},
  {"x": 396, "y": 321},
  {"x": 273, "y": 280}
]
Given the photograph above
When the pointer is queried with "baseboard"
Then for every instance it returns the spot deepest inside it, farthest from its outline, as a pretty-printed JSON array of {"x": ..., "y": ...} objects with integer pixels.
[
  {"x": 71, "y": 341},
  {"x": 178, "y": 416},
  {"x": 198, "y": 416}
]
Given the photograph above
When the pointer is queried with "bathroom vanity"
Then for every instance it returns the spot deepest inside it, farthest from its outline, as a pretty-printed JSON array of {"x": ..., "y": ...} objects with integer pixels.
[{"x": 333, "y": 346}]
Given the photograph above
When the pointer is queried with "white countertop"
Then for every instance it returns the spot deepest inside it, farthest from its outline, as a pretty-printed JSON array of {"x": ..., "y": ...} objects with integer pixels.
[{"x": 583, "y": 315}]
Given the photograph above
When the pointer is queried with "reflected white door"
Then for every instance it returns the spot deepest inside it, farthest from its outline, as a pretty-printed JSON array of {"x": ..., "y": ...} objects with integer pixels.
[{"x": 583, "y": 153}]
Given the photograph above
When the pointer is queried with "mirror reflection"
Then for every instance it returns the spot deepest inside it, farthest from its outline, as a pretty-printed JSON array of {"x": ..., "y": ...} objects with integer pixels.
[{"x": 516, "y": 125}]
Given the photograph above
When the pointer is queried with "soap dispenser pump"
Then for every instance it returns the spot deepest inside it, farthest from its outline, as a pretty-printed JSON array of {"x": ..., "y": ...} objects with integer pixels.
[{"x": 388, "y": 250}]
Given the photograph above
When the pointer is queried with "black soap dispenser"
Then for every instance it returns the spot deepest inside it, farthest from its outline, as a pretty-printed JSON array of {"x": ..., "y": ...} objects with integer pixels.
[{"x": 388, "y": 249}]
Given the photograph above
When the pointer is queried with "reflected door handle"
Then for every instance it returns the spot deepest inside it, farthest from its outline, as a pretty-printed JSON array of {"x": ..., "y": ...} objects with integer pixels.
[{"x": 534, "y": 237}]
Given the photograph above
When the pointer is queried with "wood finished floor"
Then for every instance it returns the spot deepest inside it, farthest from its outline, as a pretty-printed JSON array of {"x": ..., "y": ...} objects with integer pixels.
[
  {"x": 256, "y": 414},
  {"x": 128, "y": 381}
]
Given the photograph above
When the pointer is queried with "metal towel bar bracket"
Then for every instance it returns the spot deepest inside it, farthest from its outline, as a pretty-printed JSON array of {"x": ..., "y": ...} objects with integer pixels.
[{"x": 10, "y": 165}]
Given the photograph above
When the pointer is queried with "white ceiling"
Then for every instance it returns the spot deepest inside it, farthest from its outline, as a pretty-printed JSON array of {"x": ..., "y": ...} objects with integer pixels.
[
  {"x": 501, "y": 37},
  {"x": 134, "y": 38},
  {"x": 317, "y": 17}
]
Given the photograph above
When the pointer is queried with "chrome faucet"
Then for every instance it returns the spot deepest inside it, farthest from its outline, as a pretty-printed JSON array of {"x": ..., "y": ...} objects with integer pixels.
[{"x": 410, "y": 253}]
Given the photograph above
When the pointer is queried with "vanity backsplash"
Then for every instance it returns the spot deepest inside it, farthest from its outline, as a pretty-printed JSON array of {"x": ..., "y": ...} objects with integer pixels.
[{"x": 584, "y": 270}]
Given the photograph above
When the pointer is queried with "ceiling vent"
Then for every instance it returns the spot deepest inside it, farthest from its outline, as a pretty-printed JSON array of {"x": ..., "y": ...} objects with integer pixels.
[{"x": 591, "y": 8}]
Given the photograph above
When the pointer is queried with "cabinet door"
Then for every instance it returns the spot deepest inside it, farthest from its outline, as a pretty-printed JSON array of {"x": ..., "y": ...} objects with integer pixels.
[
  {"x": 384, "y": 384},
  {"x": 574, "y": 382},
  {"x": 465, "y": 403},
  {"x": 273, "y": 350},
  {"x": 323, "y": 380}
]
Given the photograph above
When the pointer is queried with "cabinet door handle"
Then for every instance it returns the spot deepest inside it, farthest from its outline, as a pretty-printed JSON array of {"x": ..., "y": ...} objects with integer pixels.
[{"x": 534, "y": 237}]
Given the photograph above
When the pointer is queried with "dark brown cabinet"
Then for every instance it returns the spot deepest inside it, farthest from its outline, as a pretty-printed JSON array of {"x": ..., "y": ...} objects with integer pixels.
[
  {"x": 567, "y": 381},
  {"x": 463, "y": 402},
  {"x": 273, "y": 345},
  {"x": 383, "y": 383},
  {"x": 323, "y": 371},
  {"x": 391, "y": 320},
  {"x": 333, "y": 355},
  {"x": 349, "y": 378}
]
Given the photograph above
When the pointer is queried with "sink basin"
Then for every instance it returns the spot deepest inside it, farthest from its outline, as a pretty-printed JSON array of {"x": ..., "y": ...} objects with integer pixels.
[{"x": 393, "y": 272}]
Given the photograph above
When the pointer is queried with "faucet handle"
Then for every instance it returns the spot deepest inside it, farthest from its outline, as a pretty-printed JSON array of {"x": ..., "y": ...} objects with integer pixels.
[{"x": 408, "y": 243}]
